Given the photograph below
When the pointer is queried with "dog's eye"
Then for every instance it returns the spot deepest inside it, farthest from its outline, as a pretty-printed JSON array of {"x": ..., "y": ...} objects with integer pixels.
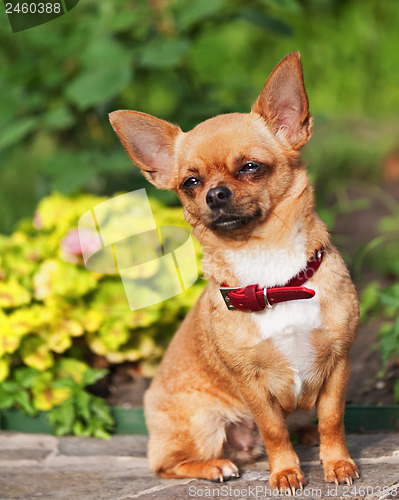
[
  {"x": 249, "y": 168},
  {"x": 191, "y": 182}
]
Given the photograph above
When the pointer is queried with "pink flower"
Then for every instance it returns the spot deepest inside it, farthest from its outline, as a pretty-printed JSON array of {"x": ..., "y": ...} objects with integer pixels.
[
  {"x": 37, "y": 221},
  {"x": 77, "y": 242}
]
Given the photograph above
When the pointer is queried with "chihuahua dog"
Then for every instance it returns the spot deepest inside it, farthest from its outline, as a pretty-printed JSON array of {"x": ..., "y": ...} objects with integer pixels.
[{"x": 258, "y": 344}]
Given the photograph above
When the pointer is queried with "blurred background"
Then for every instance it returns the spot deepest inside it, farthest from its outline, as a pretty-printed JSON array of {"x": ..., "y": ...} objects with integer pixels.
[{"x": 185, "y": 61}]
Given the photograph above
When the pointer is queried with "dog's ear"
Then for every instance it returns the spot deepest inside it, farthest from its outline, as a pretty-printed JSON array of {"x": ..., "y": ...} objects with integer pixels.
[
  {"x": 283, "y": 102},
  {"x": 149, "y": 142}
]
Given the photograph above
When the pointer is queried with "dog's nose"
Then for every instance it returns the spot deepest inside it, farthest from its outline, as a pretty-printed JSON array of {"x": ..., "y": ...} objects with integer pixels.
[{"x": 218, "y": 197}]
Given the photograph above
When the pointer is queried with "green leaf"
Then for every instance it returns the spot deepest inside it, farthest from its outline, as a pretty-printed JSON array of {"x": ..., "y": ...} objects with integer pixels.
[
  {"x": 396, "y": 392},
  {"x": 58, "y": 118},
  {"x": 26, "y": 376},
  {"x": 35, "y": 353},
  {"x": 13, "y": 294},
  {"x": 105, "y": 52},
  {"x": 83, "y": 405},
  {"x": 196, "y": 11},
  {"x": 58, "y": 278},
  {"x": 10, "y": 386},
  {"x": 390, "y": 340},
  {"x": 70, "y": 172},
  {"x": 6, "y": 399},
  {"x": 16, "y": 131},
  {"x": 9, "y": 99},
  {"x": 4, "y": 368},
  {"x": 91, "y": 376},
  {"x": 370, "y": 299},
  {"x": 327, "y": 215},
  {"x": 101, "y": 434},
  {"x": 23, "y": 399},
  {"x": 388, "y": 345},
  {"x": 389, "y": 224},
  {"x": 79, "y": 429},
  {"x": 163, "y": 53},
  {"x": 395, "y": 330},
  {"x": 96, "y": 86},
  {"x": 292, "y": 6},
  {"x": 62, "y": 383},
  {"x": 70, "y": 367},
  {"x": 106, "y": 70},
  {"x": 114, "y": 334},
  {"x": 62, "y": 418},
  {"x": 102, "y": 412},
  {"x": 390, "y": 296},
  {"x": 265, "y": 21}
]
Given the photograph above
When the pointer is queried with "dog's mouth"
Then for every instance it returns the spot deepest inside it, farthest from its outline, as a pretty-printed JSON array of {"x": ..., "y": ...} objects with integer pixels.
[{"x": 226, "y": 222}]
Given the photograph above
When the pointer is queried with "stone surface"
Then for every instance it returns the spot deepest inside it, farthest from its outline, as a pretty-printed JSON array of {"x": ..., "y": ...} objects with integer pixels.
[
  {"x": 34, "y": 466},
  {"x": 360, "y": 446},
  {"x": 23, "y": 454},
  {"x": 134, "y": 446}
]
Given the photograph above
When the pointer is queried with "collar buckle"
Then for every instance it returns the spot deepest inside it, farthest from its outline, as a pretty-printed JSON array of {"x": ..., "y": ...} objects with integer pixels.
[
  {"x": 224, "y": 290},
  {"x": 267, "y": 303}
]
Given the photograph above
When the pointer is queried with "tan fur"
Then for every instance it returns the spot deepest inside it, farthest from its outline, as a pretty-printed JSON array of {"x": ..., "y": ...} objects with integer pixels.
[{"x": 218, "y": 373}]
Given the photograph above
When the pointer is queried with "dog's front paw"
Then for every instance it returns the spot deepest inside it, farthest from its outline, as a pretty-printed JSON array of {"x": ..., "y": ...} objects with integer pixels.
[
  {"x": 288, "y": 480},
  {"x": 341, "y": 471}
]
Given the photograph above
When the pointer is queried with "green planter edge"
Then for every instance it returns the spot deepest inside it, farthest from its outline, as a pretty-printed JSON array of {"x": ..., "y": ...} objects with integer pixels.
[{"x": 131, "y": 420}]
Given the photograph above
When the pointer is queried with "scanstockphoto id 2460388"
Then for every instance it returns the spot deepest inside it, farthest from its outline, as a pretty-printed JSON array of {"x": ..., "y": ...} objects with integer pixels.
[{"x": 24, "y": 15}]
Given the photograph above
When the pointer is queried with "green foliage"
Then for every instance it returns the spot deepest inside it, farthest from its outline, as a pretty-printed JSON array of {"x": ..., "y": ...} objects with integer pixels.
[
  {"x": 55, "y": 314},
  {"x": 73, "y": 409},
  {"x": 182, "y": 60},
  {"x": 381, "y": 255},
  {"x": 343, "y": 205},
  {"x": 384, "y": 303},
  {"x": 15, "y": 392},
  {"x": 59, "y": 80},
  {"x": 82, "y": 414},
  {"x": 185, "y": 60},
  {"x": 369, "y": 300}
]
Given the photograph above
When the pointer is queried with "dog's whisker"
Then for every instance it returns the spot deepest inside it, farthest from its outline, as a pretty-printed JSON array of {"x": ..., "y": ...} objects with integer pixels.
[{"x": 279, "y": 218}]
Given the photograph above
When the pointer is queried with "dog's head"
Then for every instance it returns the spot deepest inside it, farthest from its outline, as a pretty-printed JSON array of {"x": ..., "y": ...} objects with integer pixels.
[{"x": 229, "y": 171}]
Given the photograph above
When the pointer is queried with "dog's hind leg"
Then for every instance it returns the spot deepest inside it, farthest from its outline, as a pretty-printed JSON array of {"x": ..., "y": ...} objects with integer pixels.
[
  {"x": 187, "y": 436},
  {"x": 216, "y": 469}
]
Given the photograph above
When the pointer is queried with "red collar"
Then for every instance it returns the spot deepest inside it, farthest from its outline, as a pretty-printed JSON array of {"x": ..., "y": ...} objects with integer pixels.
[{"x": 254, "y": 298}]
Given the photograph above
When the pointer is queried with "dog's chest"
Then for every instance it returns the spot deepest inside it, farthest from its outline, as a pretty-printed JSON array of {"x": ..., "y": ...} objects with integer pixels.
[{"x": 288, "y": 324}]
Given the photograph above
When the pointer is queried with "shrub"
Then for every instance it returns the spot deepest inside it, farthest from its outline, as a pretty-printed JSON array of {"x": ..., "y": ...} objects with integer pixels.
[{"x": 55, "y": 315}]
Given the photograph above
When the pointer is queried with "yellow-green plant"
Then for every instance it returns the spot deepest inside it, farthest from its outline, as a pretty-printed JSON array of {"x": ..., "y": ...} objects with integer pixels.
[{"x": 55, "y": 314}]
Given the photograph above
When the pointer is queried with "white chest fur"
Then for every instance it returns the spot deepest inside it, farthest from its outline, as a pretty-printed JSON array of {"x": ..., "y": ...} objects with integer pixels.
[{"x": 288, "y": 324}]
